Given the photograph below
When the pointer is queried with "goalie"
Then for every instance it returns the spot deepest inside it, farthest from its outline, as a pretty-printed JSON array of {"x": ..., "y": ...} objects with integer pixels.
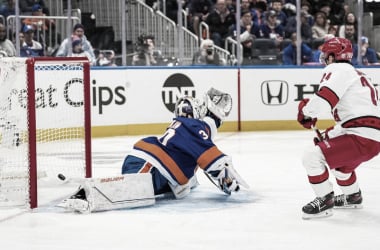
[{"x": 167, "y": 164}]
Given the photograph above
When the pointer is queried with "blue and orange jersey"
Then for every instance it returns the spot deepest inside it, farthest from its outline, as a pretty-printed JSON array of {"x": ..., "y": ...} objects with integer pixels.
[{"x": 185, "y": 146}]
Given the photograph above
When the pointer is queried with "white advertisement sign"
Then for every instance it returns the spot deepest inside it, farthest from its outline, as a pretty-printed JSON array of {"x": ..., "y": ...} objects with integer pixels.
[
  {"x": 124, "y": 96},
  {"x": 148, "y": 95}
]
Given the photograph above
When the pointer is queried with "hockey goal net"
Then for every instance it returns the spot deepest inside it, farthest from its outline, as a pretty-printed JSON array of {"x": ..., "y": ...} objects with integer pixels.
[{"x": 44, "y": 124}]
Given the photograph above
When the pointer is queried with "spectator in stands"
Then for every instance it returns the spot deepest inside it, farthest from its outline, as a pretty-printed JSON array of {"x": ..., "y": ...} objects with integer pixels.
[
  {"x": 231, "y": 6},
  {"x": 30, "y": 47},
  {"x": 77, "y": 49},
  {"x": 219, "y": 22},
  {"x": 40, "y": 24},
  {"x": 198, "y": 12},
  {"x": 289, "y": 10},
  {"x": 249, "y": 30},
  {"x": 106, "y": 58},
  {"x": 21, "y": 38},
  {"x": 306, "y": 7},
  {"x": 78, "y": 31},
  {"x": 337, "y": 12},
  {"x": 26, "y": 6},
  {"x": 350, "y": 33},
  {"x": 145, "y": 52},
  {"x": 271, "y": 28},
  {"x": 325, "y": 7},
  {"x": 206, "y": 54},
  {"x": 261, "y": 7},
  {"x": 172, "y": 8},
  {"x": 7, "y": 49},
  {"x": 277, "y": 6},
  {"x": 333, "y": 30},
  {"x": 306, "y": 32},
  {"x": 289, "y": 56},
  {"x": 44, "y": 28},
  {"x": 350, "y": 18},
  {"x": 246, "y": 6},
  {"x": 368, "y": 55},
  {"x": 8, "y": 8},
  {"x": 321, "y": 26},
  {"x": 317, "y": 52}
]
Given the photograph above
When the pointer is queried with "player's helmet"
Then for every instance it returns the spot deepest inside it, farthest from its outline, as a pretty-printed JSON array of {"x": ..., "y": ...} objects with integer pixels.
[
  {"x": 189, "y": 107},
  {"x": 340, "y": 48}
]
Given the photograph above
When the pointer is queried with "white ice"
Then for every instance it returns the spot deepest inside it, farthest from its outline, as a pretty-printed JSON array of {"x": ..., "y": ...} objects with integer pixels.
[{"x": 268, "y": 216}]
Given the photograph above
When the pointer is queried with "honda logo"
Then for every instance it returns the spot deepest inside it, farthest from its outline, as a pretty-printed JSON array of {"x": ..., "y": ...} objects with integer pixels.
[{"x": 274, "y": 92}]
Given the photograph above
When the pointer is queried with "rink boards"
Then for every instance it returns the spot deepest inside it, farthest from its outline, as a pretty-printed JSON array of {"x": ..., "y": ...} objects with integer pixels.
[{"x": 140, "y": 100}]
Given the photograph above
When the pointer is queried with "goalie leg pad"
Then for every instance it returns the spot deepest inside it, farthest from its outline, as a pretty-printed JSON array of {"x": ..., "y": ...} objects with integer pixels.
[{"x": 117, "y": 192}]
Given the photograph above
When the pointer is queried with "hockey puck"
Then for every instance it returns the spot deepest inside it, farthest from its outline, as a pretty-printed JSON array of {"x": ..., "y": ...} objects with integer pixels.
[{"x": 61, "y": 177}]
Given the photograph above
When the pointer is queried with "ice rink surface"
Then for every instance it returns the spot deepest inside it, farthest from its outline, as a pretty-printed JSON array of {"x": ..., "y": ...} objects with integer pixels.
[{"x": 268, "y": 216}]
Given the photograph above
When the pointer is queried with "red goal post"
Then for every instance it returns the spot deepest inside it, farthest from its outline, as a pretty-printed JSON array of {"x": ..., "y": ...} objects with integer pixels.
[{"x": 45, "y": 124}]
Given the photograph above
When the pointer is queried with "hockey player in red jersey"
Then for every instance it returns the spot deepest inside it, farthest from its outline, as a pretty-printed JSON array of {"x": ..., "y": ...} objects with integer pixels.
[
  {"x": 355, "y": 138},
  {"x": 167, "y": 164}
]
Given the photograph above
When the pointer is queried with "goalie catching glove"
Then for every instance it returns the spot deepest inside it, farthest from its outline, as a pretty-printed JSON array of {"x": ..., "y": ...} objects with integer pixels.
[
  {"x": 228, "y": 179},
  {"x": 219, "y": 105},
  {"x": 305, "y": 121}
]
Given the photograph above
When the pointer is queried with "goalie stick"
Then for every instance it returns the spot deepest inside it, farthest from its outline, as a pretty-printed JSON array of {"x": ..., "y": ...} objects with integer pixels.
[
  {"x": 221, "y": 188},
  {"x": 224, "y": 187}
]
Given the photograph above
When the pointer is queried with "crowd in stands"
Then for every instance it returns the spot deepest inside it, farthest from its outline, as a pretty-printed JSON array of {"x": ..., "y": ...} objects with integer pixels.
[
  {"x": 273, "y": 21},
  {"x": 38, "y": 36}
]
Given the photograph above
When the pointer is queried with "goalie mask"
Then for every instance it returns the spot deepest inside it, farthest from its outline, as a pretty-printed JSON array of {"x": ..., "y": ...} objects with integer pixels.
[{"x": 189, "y": 107}]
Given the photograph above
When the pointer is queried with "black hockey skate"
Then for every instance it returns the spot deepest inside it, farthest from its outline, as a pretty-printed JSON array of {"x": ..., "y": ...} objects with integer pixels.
[
  {"x": 349, "y": 201},
  {"x": 319, "y": 207}
]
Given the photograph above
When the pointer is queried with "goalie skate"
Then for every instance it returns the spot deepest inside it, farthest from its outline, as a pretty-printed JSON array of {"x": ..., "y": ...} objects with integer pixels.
[
  {"x": 77, "y": 202},
  {"x": 349, "y": 201},
  {"x": 320, "y": 207}
]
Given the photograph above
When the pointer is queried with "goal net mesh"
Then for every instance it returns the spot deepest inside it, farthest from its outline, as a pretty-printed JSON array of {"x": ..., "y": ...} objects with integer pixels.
[{"x": 59, "y": 124}]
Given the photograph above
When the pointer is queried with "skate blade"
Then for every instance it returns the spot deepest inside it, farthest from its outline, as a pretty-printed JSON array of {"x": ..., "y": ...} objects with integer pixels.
[
  {"x": 352, "y": 206},
  {"x": 75, "y": 205},
  {"x": 324, "y": 214}
]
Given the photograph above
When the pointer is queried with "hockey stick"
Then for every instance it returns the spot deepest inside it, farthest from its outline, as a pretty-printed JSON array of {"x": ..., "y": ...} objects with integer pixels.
[
  {"x": 319, "y": 134},
  {"x": 223, "y": 189}
]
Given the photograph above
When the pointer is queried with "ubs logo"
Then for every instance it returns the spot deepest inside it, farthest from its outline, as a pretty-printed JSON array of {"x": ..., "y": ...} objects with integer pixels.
[{"x": 274, "y": 92}]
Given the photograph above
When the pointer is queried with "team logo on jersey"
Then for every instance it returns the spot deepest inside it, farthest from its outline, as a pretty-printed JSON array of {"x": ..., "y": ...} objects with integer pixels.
[
  {"x": 274, "y": 92},
  {"x": 175, "y": 86}
]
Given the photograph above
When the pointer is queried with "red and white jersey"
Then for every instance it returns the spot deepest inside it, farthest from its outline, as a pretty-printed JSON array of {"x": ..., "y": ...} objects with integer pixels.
[{"x": 352, "y": 99}]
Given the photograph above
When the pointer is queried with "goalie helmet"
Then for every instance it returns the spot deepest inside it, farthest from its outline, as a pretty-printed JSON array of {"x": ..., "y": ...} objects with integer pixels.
[
  {"x": 189, "y": 107},
  {"x": 340, "y": 48}
]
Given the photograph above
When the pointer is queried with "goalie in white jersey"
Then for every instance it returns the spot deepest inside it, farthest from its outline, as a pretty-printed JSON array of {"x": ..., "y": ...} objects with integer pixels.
[{"x": 355, "y": 138}]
